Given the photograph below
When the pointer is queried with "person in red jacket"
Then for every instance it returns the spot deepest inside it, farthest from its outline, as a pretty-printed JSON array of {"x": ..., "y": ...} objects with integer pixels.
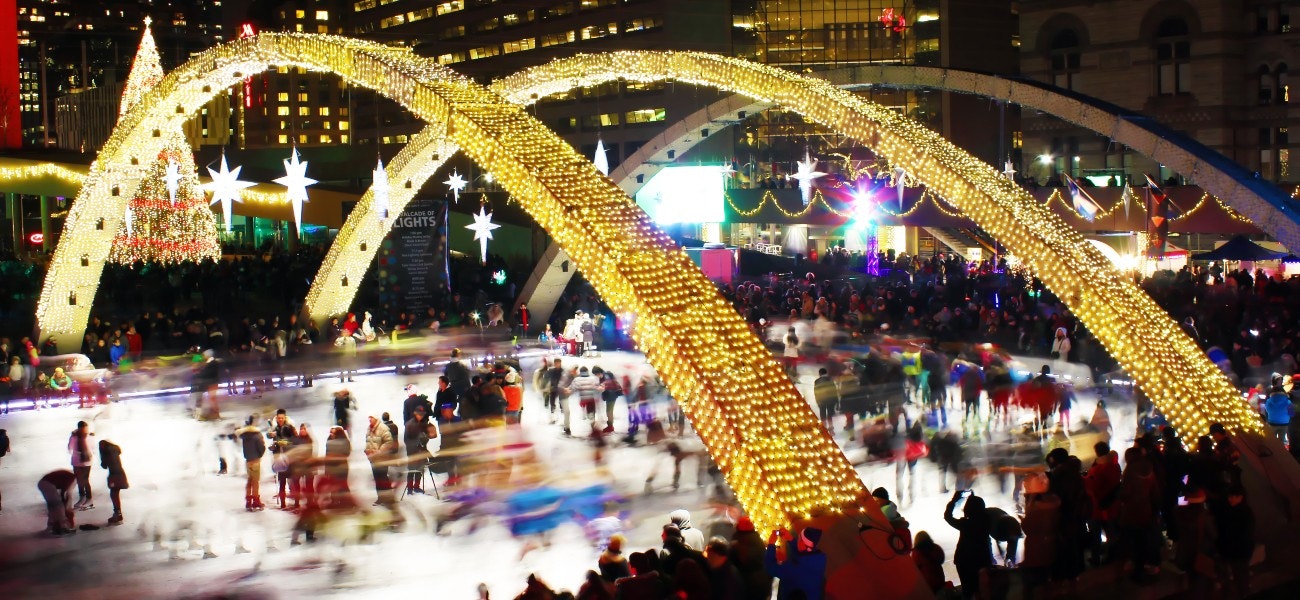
[{"x": 1102, "y": 483}]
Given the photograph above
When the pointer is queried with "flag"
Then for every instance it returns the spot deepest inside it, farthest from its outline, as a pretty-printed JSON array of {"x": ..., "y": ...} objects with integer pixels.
[
  {"x": 1083, "y": 203},
  {"x": 1157, "y": 219}
]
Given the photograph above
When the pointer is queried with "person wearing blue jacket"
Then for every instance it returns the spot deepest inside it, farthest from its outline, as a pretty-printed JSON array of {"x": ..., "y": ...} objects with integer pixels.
[
  {"x": 1277, "y": 410},
  {"x": 803, "y": 568}
]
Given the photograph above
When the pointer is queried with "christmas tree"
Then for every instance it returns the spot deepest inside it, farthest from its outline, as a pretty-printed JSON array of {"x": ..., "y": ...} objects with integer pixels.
[{"x": 167, "y": 219}]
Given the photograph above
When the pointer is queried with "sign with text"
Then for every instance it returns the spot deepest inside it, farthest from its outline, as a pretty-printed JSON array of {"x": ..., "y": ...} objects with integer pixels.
[{"x": 412, "y": 266}]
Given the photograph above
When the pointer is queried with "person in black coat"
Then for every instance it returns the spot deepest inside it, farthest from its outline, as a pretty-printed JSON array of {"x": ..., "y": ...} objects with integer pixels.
[
  {"x": 457, "y": 374},
  {"x": 416, "y": 439},
  {"x": 973, "y": 550},
  {"x": 1235, "y": 523},
  {"x": 254, "y": 448},
  {"x": 110, "y": 458},
  {"x": 413, "y": 400}
]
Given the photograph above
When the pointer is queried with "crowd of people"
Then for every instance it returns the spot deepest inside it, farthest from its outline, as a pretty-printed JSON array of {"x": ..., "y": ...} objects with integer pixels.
[{"x": 898, "y": 356}]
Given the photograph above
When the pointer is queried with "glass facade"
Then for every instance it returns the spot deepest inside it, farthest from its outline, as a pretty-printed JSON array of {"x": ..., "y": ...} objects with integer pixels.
[{"x": 829, "y": 33}]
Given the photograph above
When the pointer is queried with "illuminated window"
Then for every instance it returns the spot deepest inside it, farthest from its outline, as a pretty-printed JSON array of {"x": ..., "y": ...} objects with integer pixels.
[
  {"x": 452, "y": 32},
  {"x": 301, "y": 14},
  {"x": 392, "y": 21},
  {"x": 283, "y": 139},
  {"x": 325, "y": 139},
  {"x": 450, "y": 7},
  {"x": 304, "y": 111},
  {"x": 322, "y": 15},
  {"x": 519, "y": 45},
  {"x": 322, "y": 29},
  {"x": 343, "y": 139},
  {"x": 324, "y": 111},
  {"x": 598, "y": 121},
  {"x": 453, "y": 57},
  {"x": 419, "y": 15},
  {"x": 282, "y": 111},
  {"x": 555, "y": 39},
  {"x": 302, "y": 96},
  {"x": 642, "y": 24},
  {"x": 302, "y": 138},
  {"x": 361, "y": 5},
  {"x": 592, "y": 32},
  {"x": 513, "y": 19},
  {"x": 646, "y": 115},
  {"x": 343, "y": 125},
  {"x": 326, "y": 125},
  {"x": 484, "y": 52},
  {"x": 282, "y": 96},
  {"x": 298, "y": 27}
]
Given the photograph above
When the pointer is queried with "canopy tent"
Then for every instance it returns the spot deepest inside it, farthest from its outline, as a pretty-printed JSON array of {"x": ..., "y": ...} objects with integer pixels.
[{"x": 1239, "y": 248}]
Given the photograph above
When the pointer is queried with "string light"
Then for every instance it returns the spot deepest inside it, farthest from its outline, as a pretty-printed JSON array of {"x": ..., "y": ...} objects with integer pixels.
[{"x": 768, "y": 443}]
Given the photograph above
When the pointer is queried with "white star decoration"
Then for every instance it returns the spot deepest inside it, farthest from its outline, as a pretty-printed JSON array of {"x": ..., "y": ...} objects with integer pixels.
[
  {"x": 456, "y": 183},
  {"x": 173, "y": 180},
  {"x": 225, "y": 186},
  {"x": 1009, "y": 170},
  {"x": 600, "y": 159},
  {"x": 482, "y": 229},
  {"x": 806, "y": 175},
  {"x": 295, "y": 178},
  {"x": 379, "y": 188}
]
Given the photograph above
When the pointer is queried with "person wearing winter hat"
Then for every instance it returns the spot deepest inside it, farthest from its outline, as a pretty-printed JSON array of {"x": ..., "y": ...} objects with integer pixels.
[
  {"x": 693, "y": 537},
  {"x": 747, "y": 554},
  {"x": 613, "y": 565}
]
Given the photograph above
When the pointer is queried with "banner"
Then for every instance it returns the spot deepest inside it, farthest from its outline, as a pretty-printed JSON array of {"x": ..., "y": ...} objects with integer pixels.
[{"x": 412, "y": 266}]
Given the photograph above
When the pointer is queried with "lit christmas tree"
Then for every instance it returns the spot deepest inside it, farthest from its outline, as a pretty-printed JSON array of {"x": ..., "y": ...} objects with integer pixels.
[
  {"x": 164, "y": 230},
  {"x": 168, "y": 219}
]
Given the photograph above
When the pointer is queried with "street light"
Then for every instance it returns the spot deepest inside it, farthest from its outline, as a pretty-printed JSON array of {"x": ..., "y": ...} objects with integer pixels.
[{"x": 1045, "y": 159}]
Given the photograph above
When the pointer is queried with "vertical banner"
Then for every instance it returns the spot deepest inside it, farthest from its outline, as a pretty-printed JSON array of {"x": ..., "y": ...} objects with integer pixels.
[{"x": 412, "y": 267}]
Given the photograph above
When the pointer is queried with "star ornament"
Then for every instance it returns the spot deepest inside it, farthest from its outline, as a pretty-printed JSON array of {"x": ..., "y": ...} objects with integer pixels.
[
  {"x": 482, "y": 228},
  {"x": 296, "y": 180},
  {"x": 456, "y": 183},
  {"x": 225, "y": 187},
  {"x": 601, "y": 160},
  {"x": 173, "y": 180},
  {"x": 379, "y": 189},
  {"x": 805, "y": 175}
]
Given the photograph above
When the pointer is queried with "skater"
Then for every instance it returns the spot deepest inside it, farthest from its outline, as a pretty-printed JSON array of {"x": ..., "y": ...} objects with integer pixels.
[
  {"x": 250, "y": 439},
  {"x": 282, "y": 440},
  {"x": 54, "y": 487},
  {"x": 82, "y": 459},
  {"x": 110, "y": 458},
  {"x": 344, "y": 404},
  {"x": 207, "y": 377}
]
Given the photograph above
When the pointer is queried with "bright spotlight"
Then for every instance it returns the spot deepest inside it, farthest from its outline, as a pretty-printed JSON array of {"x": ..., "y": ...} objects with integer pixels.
[{"x": 1045, "y": 159}]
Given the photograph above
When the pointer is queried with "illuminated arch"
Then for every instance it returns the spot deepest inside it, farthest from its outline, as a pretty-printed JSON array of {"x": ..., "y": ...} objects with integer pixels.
[
  {"x": 771, "y": 447},
  {"x": 1167, "y": 364}
]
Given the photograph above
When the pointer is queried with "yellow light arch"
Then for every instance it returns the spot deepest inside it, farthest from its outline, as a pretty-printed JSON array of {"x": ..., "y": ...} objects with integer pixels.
[{"x": 765, "y": 438}]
